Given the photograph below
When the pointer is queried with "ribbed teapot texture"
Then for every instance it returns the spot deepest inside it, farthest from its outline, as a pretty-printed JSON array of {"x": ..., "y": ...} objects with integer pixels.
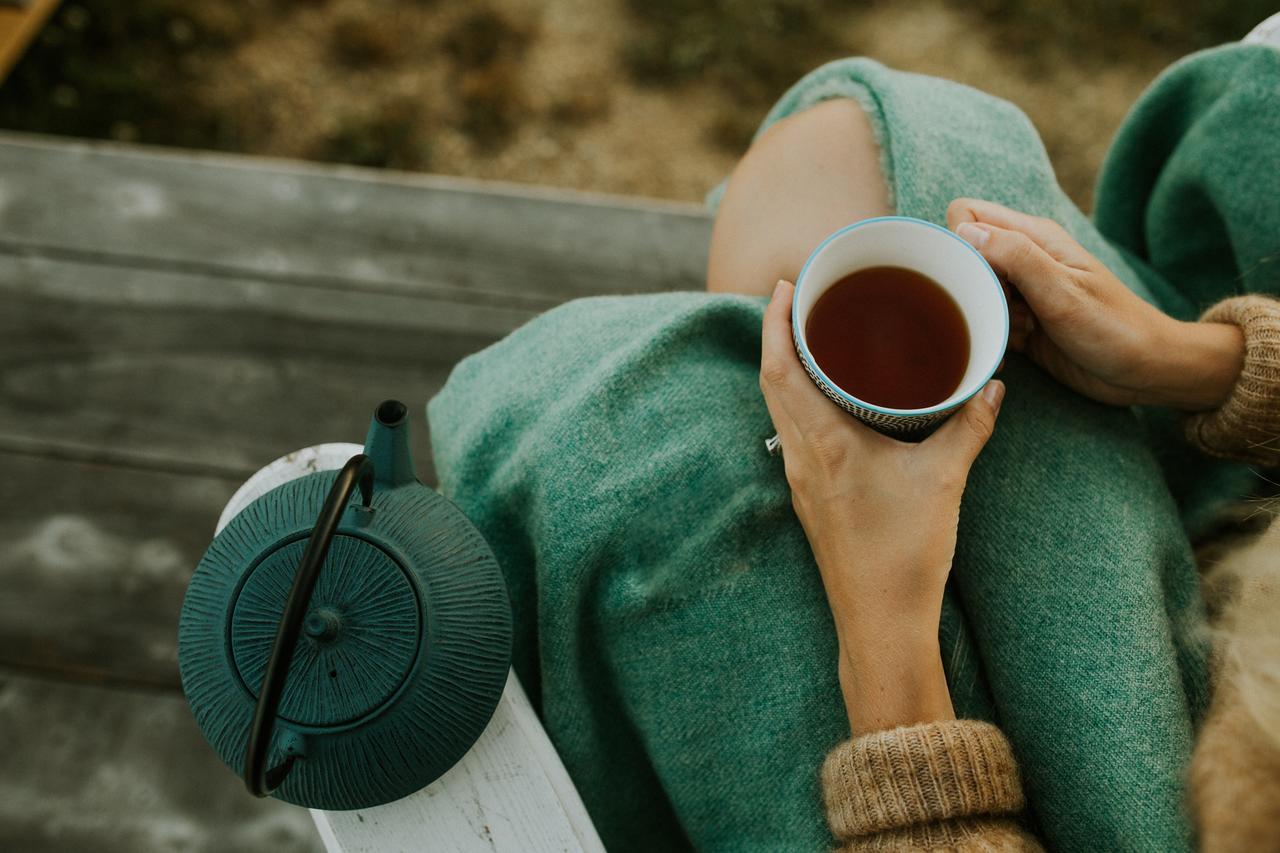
[{"x": 405, "y": 646}]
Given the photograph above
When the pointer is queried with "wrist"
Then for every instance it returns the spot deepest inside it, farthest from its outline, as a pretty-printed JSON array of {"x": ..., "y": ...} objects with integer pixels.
[
  {"x": 893, "y": 677},
  {"x": 902, "y": 593},
  {"x": 1199, "y": 365}
]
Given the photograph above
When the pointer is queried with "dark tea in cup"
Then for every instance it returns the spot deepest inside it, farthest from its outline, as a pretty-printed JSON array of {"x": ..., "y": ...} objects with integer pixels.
[
  {"x": 899, "y": 322},
  {"x": 890, "y": 336}
]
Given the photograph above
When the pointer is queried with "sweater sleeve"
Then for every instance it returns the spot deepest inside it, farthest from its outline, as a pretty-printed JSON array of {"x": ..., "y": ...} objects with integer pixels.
[
  {"x": 935, "y": 786},
  {"x": 1247, "y": 426}
]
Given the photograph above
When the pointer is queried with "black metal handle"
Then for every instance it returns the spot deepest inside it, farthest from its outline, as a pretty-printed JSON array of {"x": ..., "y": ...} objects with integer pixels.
[{"x": 259, "y": 780}]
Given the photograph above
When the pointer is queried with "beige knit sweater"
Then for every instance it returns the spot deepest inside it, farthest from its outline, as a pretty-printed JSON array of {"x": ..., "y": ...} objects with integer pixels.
[{"x": 953, "y": 786}]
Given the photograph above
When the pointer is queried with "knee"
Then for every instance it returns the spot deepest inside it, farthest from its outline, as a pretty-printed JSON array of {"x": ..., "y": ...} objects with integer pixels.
[
  {"x": 836, "y": 131},
  {"x": 807, "y": 175}
]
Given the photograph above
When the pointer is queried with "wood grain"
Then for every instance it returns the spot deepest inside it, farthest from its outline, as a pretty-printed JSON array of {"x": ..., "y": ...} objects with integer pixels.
[
  {"x": 122, "y": 771},
  {"x": 168, "y": 324},
  {"x": 171, "y": 323},
  {"x": 94, "y": 561},
  {"x": 346, "y": 228},
  {"x": 175, "y": 370}
]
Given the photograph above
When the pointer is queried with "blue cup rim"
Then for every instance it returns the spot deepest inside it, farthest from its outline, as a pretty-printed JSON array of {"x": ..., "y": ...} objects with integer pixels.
[{"x": 803, "y": 345}]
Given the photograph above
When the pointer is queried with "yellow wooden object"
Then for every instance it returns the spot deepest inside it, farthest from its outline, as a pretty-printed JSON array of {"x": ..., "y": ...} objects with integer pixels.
[{"x": 18, "y": 26}]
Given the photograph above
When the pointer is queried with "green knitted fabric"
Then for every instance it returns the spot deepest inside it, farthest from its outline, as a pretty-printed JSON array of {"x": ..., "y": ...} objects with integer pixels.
[{"x": 671, "y": 625}]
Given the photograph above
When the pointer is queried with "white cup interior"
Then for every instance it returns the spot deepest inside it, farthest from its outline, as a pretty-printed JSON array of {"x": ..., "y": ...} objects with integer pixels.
[{"x": 928, "y": 249}]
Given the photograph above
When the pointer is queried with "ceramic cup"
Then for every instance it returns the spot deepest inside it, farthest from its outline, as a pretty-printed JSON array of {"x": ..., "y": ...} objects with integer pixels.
[{"x": 928, "y": 249}]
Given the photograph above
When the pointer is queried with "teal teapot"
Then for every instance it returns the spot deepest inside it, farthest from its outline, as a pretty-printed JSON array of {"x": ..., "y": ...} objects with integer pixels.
[{"x": 340, "y": 654}]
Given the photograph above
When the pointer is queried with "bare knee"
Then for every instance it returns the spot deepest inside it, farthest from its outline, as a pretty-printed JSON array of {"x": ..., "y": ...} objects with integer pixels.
[{"x": 806, "y": 176}]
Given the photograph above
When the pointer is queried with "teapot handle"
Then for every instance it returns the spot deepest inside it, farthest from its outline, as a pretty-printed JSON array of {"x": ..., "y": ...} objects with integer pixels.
[{"x": 257, "y": 778}]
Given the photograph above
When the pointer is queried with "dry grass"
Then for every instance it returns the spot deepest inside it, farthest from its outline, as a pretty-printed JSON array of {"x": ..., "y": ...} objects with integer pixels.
[
  {"x": 656, "y": 97},
  {"x": 488, "y": 52}
]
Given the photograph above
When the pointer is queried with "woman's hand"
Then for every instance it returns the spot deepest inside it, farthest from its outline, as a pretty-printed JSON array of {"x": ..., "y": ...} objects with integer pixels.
[
  {"x": 881, "y": 517},
  {"x": 1079, "y": 322}
]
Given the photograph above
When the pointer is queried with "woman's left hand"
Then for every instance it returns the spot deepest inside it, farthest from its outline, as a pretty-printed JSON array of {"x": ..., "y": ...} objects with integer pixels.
[
  {"x": 881, "y": 518},
  {"x": 1079, "y": 322}
]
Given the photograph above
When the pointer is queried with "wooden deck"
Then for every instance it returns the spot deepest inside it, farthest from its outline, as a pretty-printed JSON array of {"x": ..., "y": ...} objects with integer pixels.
[{"x": 168, "y": 324}]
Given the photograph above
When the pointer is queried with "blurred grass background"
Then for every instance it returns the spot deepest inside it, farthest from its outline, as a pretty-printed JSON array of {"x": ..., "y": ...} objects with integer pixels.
[{"x": 656, "y": 97}]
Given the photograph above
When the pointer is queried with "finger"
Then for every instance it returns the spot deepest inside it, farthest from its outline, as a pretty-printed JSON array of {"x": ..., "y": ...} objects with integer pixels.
[
  {"x": 774, "y": 341},
  {"x": 788, "y": 390},
  {"x": 1022, "y": 322},
  {"x": 1044, "y": 284},
  {"x": 959, "y": 212},
  {"x": 1046, "y": 233},
  {"x": 958, "y": 442}
]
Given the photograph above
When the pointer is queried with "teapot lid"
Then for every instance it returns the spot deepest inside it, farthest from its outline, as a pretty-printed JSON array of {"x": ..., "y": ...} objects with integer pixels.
[{"x": 359, "y": 639}]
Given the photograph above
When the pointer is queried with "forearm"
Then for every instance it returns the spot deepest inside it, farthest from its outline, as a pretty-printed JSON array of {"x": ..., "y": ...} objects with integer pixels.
[
  {"x": 912, "y": 777},
  {"x": 891, "y": 673},
  {"x": 1196, "y": 365}
]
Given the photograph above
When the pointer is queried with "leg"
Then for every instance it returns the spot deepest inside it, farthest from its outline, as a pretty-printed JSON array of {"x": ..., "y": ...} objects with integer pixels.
[
  {"x": 675, "y": 624},
  {"x": 806, "y": 176}
]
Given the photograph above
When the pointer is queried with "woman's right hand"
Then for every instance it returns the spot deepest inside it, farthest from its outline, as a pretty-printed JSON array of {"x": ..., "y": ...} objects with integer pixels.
[{"x": 1075, "y": 319}]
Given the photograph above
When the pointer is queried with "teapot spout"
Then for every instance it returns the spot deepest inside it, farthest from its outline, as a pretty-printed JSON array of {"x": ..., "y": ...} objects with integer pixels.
[{"x": 388, "y": 446}]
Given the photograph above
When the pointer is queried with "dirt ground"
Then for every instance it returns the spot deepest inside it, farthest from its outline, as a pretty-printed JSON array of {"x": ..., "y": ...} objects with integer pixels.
[
  {"x": 582, "y": 123},
  {"x": 548, "y": 91}
]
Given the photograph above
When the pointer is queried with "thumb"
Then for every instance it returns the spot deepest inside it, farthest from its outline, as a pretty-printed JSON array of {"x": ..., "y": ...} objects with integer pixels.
[
  {"x": 1038, "y": 276},
  {"x": 962, "y": 437}
]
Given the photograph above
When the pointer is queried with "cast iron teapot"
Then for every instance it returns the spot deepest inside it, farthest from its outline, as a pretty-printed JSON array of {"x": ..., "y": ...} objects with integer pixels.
[{"x": 340, "y": 655}]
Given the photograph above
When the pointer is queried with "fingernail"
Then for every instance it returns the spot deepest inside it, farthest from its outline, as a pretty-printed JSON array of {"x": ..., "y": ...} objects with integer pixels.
[
  {"x": 993, "y": 393},
  {"x": 974, "y": 235},
  {"x": 778, "y": 287}
]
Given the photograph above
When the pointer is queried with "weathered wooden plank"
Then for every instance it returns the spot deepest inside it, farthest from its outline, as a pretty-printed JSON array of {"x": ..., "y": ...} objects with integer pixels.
[
  {"x": 509, "y": 794},
  {"x": 503, "y": 244},
  {"x": 169, "y": 324},
  {"x": 94, "y": 561},
  {"x": 121, "y": 771},
  {"x": 184, "y": 369},
  {"x": 151, "y": 366}
]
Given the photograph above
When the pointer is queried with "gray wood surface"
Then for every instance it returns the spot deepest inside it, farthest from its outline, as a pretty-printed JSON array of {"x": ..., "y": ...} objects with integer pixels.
[
  {"x": 170, "y": 322},
  {"x": 344, "y": 227},
  {"x": 95, "y": 560},
  {"x": 184, "y": 371},
  {"x": 87, "y": 768},
  {"x": 190, "y": 318}
]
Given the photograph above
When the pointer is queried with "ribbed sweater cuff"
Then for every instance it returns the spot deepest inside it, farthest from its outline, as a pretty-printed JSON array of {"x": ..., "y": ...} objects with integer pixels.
[
  {"x": 919, "y": 775},
  {"x": 1247, "y": 426}
]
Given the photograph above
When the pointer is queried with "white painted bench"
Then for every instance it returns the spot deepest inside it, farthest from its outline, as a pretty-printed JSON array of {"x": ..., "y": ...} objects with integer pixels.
[{"x": 510, "y": 793}]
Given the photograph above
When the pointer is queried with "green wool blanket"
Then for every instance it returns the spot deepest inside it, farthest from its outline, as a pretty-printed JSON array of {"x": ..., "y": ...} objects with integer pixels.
[{"x": 671, "y": 625}]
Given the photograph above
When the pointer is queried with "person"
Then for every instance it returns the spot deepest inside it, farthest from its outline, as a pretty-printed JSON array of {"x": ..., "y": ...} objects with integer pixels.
[
  {"x": 914, "y": 777},
  {"x": 700, "y": 623}
]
